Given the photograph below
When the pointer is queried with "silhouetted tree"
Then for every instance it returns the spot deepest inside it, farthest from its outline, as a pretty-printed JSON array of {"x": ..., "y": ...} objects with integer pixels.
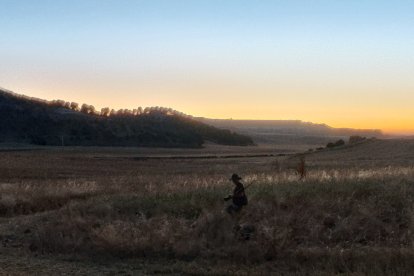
[
  {"x": 57, "y": 103},
  {"x": 140, "y": 110},
  {"x": 88, "y": 109},
  {"x": 74, "y": 106},
  {"x": 105, "y": 111},
  {"x": 338, "y": 143}
]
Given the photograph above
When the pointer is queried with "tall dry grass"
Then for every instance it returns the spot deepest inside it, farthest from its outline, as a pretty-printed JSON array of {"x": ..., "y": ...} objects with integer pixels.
[
  {"x": 29, "y": 198},
  {"x": 339, "y": 220}
]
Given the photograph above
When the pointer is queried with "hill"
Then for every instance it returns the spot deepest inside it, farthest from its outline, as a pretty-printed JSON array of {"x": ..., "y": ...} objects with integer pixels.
[
  {"x": 289, "y": 131},
  {"x": 370, "y": 153},
  {"x": 36, "y": 121}
]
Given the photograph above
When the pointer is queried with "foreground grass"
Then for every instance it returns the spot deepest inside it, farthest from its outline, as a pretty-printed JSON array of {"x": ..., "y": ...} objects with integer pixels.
[{"x": 337, "y": 224}]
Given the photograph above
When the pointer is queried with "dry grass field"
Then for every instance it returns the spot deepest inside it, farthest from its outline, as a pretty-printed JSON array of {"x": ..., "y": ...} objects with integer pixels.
[{"x": 160, "y": 211}]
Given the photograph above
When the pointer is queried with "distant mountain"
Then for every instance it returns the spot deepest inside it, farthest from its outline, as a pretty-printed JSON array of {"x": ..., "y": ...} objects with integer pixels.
[
  {"x": 35, "y": 121},
  {"x": 289, "y": 131}
]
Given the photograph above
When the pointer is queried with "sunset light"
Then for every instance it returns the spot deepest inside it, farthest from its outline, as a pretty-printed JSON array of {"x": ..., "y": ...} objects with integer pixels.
[{"x": 343, "y": 63}]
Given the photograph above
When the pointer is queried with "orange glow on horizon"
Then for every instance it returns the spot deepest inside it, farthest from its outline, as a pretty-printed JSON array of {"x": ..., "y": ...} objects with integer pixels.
[
  {"x": 397, "y": 121},
  {"x": 342, "y": 64},
  {"x": 392, "y": 128}
]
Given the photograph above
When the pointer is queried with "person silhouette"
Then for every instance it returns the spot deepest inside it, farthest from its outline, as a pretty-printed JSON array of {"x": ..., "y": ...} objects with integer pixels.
[{"x": 239, "y": 198}]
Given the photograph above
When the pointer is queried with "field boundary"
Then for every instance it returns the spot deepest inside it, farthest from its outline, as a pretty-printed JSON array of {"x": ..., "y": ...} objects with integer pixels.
[{"x": 209, "y": 156}]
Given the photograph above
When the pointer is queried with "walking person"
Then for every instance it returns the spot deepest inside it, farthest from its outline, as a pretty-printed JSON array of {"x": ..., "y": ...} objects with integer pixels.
[{"x": 239, "y": 198}]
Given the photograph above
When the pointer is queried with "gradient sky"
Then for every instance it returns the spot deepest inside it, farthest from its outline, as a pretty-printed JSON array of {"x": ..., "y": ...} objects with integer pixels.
[{"x": 344, "y": 63}]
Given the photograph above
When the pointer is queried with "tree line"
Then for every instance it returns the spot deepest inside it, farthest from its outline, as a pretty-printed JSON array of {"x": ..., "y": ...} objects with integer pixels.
[{"x": 106, "y": 111}]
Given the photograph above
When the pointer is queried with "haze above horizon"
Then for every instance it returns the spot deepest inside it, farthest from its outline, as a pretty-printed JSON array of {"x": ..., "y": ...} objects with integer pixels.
[{"x": 343, "y": 63}]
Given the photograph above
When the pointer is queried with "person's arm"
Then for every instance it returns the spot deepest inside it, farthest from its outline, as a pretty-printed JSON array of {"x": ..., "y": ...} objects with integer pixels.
[{"x": 228, "y": 197}]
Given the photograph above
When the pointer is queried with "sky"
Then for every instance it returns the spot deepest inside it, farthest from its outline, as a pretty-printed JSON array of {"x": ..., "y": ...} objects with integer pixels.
[{"x": 343, "y": 63}]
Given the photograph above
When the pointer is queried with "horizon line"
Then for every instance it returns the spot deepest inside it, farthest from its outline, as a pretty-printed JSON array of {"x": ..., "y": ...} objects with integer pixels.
[{"x": 384, "y": 132}]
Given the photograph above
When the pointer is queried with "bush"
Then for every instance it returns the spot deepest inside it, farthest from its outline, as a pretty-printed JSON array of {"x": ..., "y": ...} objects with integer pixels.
[
  {"x": 338, "y": 143},
  {"x": 356, "y": 139}
]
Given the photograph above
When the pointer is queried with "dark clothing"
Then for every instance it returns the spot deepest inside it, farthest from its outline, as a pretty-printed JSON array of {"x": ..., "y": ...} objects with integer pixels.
[{"x": 239, "y": 197}]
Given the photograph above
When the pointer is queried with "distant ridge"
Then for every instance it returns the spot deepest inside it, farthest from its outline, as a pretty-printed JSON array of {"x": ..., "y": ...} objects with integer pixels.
[
  {"x": 289, "y": 131},
  {"x": 36, "y": 121}
]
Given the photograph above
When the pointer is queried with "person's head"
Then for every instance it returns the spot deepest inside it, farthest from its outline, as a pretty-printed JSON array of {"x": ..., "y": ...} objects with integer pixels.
[{"x": 235, "y": 178}]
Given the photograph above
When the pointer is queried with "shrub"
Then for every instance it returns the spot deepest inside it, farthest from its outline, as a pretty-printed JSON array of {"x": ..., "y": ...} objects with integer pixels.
[
  {"x": 338, "y": 143},
  {"x": 356, "y": 139}
]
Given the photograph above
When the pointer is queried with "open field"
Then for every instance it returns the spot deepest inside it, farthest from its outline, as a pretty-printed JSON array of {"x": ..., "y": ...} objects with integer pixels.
[{"x": 121, "y": 211}]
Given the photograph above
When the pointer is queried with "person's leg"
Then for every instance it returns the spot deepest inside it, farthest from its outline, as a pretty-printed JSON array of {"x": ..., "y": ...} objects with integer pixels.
[
  {"x": 229, "y": 209},
  {"x": 237, "y": 208},
  {"x": 233, "y": 208}
]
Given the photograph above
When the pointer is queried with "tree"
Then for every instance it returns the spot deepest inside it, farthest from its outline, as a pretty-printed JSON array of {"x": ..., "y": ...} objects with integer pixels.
[
  {"x": 105, "y": 111},
  {"x": 88, "y": 109},
  {"x": 338, "y": 143},
  {"x": 57, "y": 103},
  {"x": 74, "y": 106}
]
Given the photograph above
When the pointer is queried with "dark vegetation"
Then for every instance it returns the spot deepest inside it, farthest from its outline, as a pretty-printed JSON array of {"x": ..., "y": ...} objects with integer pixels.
[
  {"x": 355, "y": 139},
  {"x": 347, "y": 215},
  {"x": 35, "y": 121},
  {"x": 296, "y": 225},
  {"x": 338, "y": 143}
]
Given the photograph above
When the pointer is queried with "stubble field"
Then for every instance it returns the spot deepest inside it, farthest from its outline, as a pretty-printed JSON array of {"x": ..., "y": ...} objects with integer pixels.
[{"x": 145, "y": 211}]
